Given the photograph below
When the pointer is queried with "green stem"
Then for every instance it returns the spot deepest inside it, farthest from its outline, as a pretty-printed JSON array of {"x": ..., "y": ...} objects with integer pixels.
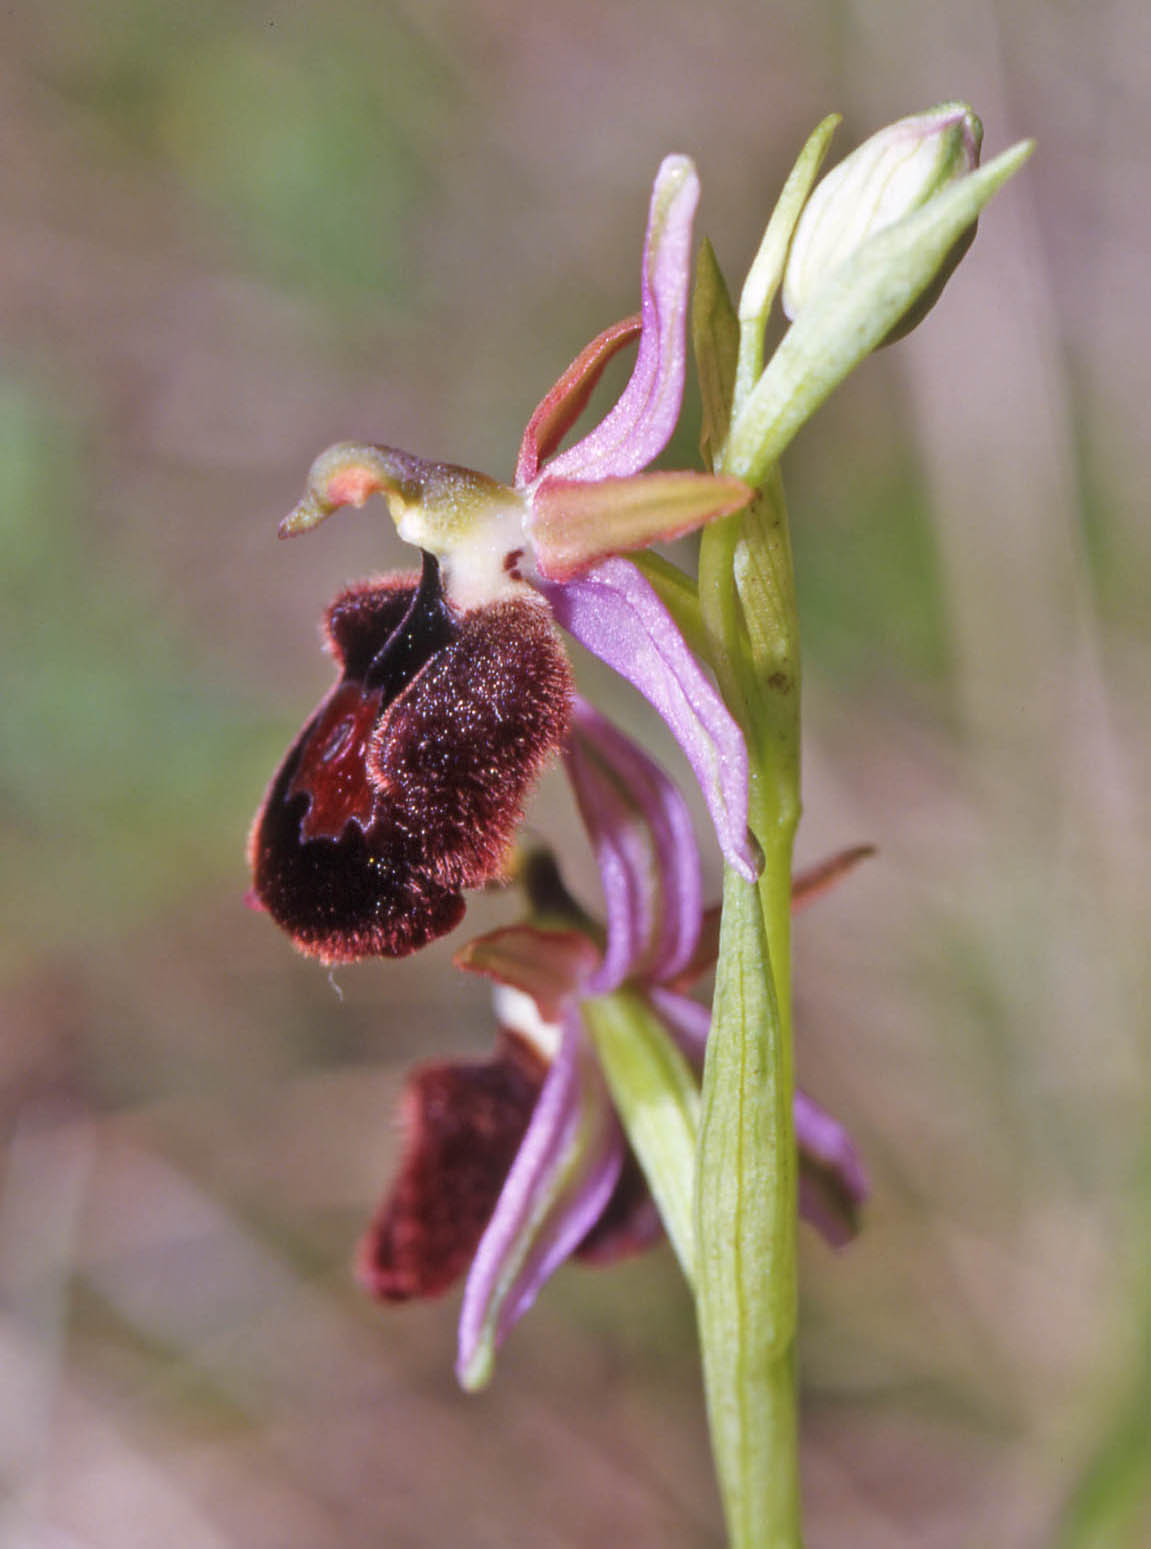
[
  {"x": 747, "y": 1199},
  {"x": 745, "y": 1229},
  {"x": 746, "y": 1175},
  {"x": 765, "y": 583}
]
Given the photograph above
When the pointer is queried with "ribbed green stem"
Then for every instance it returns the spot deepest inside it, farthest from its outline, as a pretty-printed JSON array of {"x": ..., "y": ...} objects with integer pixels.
[
  {"x": 745, "y": 1229},
  {"x": 765, "y": 583},
  {"x": 747, "y": 1201},
  {"x": 746, "y": 1188}
]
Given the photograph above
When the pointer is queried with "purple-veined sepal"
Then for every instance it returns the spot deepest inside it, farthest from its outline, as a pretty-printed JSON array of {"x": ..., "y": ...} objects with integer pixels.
[
  {"x": 559, "y": 1185},
  {"x": 645, "y": 848},
  {"x": 615, "y": 613}
]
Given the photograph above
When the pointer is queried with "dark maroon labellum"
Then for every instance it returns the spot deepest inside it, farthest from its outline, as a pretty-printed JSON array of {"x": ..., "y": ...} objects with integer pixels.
[
  {"x": 406, "y": 785},
  {"x": 463, "y": 1124}
]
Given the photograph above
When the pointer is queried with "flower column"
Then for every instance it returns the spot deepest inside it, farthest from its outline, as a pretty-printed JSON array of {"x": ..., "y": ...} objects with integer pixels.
[{"x": 868, "y": 256}]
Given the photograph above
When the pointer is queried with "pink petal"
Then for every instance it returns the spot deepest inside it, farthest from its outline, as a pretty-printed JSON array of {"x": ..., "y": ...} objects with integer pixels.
[
  {"x": 572, "y": 524},
  {"x": 645, "y": 846},
  {"x": 558, "y": 412},
  {"x": 559, "y": 1186},
  {"x": 615, "y": 613},
  {"x": 640, "y": 425}
]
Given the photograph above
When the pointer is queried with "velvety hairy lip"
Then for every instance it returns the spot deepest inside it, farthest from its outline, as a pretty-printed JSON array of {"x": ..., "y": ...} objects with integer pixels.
[
  {"x": 463, "y": 1123},
  {"x": 407, "y": 783}
]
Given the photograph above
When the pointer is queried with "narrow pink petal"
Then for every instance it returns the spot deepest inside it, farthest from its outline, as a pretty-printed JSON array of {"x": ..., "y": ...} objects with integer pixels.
[
  {"x": 558, "y": 412},
  {"x": 615, "y": 613},
  {"x": 640, "y": 425},
  {"x": 626, "y": 868},
  {"x": 645, "y": 845},
  {"x": 832, "y": 1182},
  {"x": 558, "y": 1187},
  {"x": 572, "y": 525},
  {"x": 549, "y": 965}
]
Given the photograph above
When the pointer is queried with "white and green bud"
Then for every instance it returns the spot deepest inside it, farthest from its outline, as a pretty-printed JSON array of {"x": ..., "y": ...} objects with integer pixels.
[{"x": 889, "y": 176}]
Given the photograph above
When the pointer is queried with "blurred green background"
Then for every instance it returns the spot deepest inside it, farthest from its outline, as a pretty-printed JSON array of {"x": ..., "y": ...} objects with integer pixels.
[{"x": 232, "y": 233}]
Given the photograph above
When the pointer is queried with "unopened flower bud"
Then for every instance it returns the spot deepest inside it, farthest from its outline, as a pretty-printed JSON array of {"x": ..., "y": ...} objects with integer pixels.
[{"x": 887, "y": 178}]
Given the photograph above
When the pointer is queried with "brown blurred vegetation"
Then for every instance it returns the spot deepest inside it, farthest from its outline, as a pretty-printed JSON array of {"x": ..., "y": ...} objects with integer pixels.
[{"x": 232, "y": 233}]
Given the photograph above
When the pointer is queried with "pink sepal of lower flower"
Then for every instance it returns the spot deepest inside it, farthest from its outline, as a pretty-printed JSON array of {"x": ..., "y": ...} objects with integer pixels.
[
  {"x": 530, "y": 1140},
  {"x": 559, "y": 1186}
]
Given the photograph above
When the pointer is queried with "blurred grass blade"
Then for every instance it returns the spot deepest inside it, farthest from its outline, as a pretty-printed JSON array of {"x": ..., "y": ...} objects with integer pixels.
[{"x": 1112, "y": 1504}]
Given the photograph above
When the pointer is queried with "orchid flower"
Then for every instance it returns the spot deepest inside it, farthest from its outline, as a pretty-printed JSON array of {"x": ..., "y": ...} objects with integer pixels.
[
  {"x": 506, "y": 559},
  {"x": 519, "y": 1162}
]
